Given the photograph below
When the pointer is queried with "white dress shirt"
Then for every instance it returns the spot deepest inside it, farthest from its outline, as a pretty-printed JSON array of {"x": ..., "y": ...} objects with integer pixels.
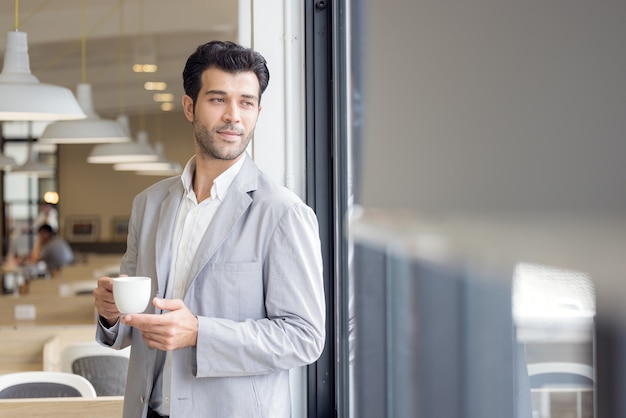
[{"x": 192, "y": 221}]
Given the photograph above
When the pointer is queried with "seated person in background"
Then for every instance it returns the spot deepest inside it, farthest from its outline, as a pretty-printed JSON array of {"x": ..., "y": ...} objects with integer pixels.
[{"x": 51, "y": 249}]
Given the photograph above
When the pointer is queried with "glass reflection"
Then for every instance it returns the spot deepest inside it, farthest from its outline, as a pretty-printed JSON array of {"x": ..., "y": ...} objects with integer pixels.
[{"x": 554, "y": 312}]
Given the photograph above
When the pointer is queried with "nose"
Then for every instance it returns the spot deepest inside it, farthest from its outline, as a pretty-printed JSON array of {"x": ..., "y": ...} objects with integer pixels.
[{"x": 232, "y": 113}]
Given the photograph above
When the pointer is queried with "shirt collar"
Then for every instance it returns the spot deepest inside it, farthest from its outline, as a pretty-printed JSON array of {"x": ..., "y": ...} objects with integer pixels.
[{"x": 221, "y": 184}]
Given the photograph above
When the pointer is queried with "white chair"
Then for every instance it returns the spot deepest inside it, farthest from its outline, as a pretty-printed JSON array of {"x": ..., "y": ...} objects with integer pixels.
[
  {"x": 551, "y": 378},
  {"x": 111, "y": 270},
  {"x": 104, "y": 367},
  {"x": 44, "y": 385},
  {"x": 578, "y": 372},
  {"x": 78, "y": 288}
]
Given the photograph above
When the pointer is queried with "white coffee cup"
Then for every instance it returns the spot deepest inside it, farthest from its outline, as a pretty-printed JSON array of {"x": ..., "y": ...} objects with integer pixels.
[{"x": 132, "y": 294}]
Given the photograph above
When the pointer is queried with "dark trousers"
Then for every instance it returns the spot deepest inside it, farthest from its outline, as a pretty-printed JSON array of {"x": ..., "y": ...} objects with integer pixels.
[{"x": 153, "y": 414}]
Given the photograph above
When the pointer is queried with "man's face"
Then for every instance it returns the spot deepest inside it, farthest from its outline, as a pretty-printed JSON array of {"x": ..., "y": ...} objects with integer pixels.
[{"x": 225, "y": 113}]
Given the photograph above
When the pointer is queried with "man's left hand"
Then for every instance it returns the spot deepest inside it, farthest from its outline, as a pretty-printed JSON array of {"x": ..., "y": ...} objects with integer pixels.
[{"x": 172, "y": 330}]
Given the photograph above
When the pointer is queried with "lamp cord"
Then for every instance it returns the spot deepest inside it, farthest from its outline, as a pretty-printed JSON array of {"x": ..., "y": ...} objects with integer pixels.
[
  {"x": 122, "y": 59},
  {"x": 142, "y": 109},
  {"x": 72, "y": 47},
  {"x": 83, "y": 43}
]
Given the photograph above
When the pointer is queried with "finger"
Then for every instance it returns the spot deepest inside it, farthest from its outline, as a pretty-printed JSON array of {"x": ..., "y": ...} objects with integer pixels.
[
  {"x": 149, "y": 340},
  {"x": 105, "y": 283},
  {"x": 139, "y": 321},
  {"x": 168, "y": 304},
  {"x": 156, "y": 344}
]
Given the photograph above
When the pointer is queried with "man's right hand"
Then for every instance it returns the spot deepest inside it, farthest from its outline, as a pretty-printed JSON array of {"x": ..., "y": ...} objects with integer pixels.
[{"x": 104, "y": 302}]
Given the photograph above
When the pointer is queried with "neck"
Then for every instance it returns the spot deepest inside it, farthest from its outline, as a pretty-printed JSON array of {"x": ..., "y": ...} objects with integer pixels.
[{"x": 207, "y": 170}]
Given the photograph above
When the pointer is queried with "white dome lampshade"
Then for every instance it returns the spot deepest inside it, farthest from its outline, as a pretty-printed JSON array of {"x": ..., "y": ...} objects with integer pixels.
[
  {"x": 23, "y": 97},
  {"x": 123, "y": 152},
  {"x": 91, "y": 130},
  {"x": 174, "y": 169},
  {"x": 161, "y": 163},
  {"x": 33, "y": 167}
]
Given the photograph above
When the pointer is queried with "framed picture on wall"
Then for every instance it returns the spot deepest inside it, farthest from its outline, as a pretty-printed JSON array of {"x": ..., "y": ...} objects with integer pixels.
[
  {"x": 83, "y": 228},
  {"x": 119, "y": 228}
]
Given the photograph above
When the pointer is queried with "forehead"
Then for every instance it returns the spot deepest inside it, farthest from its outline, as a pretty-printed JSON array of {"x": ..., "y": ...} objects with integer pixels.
[{"x": 243, "y": 82}]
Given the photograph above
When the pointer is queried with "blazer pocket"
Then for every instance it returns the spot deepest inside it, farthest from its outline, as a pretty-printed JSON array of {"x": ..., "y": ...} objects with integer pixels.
[{"x": 241, "y": 286}]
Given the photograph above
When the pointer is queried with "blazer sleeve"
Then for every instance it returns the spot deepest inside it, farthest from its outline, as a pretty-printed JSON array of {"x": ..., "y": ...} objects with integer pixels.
[
  {"x": 119, "y": 335},
  {"x": 293, "y": 332}
]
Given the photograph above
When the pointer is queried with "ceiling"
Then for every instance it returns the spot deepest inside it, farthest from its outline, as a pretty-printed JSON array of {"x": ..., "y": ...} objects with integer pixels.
[{"x": 111, "y": 31}]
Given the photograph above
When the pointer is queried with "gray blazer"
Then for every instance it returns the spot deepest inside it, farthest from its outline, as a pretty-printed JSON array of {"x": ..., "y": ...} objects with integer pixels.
[{"x": 256, "y": 288}]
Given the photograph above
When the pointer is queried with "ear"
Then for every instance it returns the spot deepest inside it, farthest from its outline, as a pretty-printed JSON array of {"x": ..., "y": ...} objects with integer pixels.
[{"x": 188, "y": 107}]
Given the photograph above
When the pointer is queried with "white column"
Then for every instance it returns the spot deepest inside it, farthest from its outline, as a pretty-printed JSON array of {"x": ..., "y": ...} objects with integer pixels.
[
  {"x": 276, "y": 30},
  {"x": 278, "y": 147}
]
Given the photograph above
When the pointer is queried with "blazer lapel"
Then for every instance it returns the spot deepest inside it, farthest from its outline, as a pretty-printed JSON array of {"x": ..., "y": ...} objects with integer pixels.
[
  {"x": 165, "y": 229},
  {"x": 230, "y": 211}
]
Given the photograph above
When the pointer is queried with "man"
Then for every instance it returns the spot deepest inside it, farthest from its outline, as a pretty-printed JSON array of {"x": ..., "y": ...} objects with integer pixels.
[
  {"x": 235, "y": 261},
  {"x": 51, "y": 249}
]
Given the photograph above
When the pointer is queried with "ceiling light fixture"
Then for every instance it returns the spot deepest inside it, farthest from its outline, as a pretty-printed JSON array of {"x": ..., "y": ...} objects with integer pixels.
[
  {"x": 144, "y": 52},
  {"x": 33, "y": 167},
  {"x": 144, "y": 55},
  {"x": 173, "y": 170},
  {"x": 155, "y": 85},
  {"x": 162, "y": 97},
  {"x": 23, "y": 97},
  {"x": 51, "y": 197},
  {"x": 160, "y": 164},
  {"x": 123, "y": 152},
  {"x": 93, "y": 129}
]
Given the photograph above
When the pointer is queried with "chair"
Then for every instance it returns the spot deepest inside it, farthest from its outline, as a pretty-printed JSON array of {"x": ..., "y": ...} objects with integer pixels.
[
  {"x": 104, "y": 367},
  {"x": 44, "y": 385},
  {"x": 554, "y": 312},
  {"x": 78, "y": 288},
  {"x": 558, "y": 379}
]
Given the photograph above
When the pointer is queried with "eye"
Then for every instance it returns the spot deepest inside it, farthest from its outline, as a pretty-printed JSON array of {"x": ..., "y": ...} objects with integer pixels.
[{"x": 217, "y": 100}]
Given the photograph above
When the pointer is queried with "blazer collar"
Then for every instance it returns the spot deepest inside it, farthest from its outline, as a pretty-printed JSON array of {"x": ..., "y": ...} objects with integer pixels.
[
  {"x": 236, "y": 202},
  {"x": 165, "y": 230}
]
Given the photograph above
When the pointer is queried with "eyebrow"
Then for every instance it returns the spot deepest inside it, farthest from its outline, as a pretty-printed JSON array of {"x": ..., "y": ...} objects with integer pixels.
[{"x": 223, "y": 93}]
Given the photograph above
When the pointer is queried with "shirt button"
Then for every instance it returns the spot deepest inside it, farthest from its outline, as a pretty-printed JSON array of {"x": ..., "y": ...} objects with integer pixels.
[{"x": 141, "y": 399}]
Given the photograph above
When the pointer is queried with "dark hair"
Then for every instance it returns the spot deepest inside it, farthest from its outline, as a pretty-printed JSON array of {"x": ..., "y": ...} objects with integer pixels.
[
  {"x": 46, "y": 228},
  {"x": 227, "y": 56}
]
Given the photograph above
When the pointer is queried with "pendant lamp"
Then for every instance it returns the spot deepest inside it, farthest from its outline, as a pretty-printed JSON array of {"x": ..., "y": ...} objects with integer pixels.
[
  {"x": 161, "y": 163},
  {"x": 123, "y": 152},
  {"x": 174, "y": 169},
  {"x": 33, "y": 167},
  {"x": 23, "y": 97},
  {"x": 91, "y": 130}
]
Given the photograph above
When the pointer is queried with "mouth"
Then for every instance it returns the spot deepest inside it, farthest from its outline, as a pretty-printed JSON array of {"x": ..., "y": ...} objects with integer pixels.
[{"x": 230, "y": 135}]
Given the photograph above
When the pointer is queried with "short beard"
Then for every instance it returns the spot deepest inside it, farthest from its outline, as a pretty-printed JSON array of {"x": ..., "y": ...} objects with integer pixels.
[{"x": 206, "y": 142}]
